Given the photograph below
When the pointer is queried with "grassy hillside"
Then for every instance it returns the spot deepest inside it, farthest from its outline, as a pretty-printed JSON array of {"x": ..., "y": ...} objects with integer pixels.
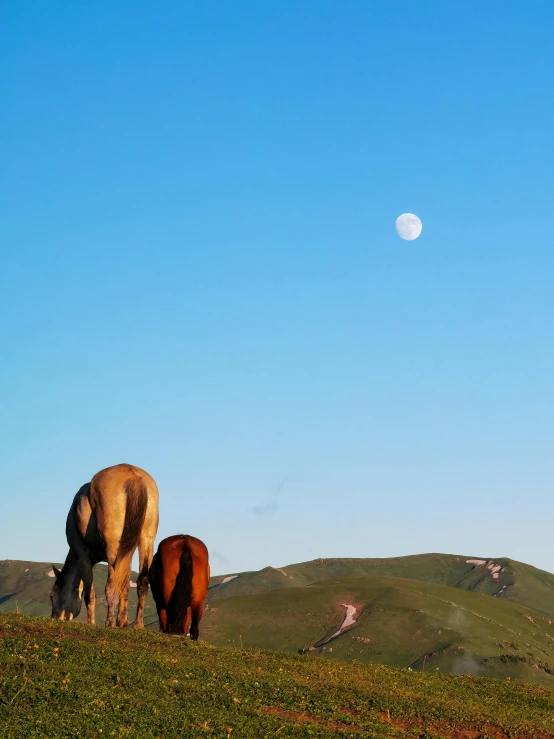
[
  {"x": 442, "y": 569},
  {"x": 501, "y": 577},
  {"x": 432, "y": 612},
  {"x": 530, "y": 586},
  {"x": 398, "y": 622},
  {"x": 66, "y": 680}
]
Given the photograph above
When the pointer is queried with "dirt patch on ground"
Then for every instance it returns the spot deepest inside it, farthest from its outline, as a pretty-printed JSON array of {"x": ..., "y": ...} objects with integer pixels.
[
  {"x": 304, "y": 718},
  {"x": 411, "y": 727},
  {"x": 447, "y": 732}
]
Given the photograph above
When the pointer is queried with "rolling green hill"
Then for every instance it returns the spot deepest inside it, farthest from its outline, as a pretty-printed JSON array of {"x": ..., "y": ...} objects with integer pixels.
[
  {"x": 501, "y": 577},
  {"x": 397, "y": 622},
  {"x": 436, "y": 612},
  {"x": 65, "y": 679}
]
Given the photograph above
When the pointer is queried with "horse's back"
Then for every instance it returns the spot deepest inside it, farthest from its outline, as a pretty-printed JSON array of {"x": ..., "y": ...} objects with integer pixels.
[
  {"x": 113, "y": 482},
  {"x": 122, "y": 502},
  {"x": 170, "y": 561},
  {"x": 171, "y": 548}
]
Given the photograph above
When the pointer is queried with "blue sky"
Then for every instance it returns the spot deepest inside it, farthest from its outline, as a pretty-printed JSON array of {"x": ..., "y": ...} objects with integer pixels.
[{"x": 200, "y": 273}]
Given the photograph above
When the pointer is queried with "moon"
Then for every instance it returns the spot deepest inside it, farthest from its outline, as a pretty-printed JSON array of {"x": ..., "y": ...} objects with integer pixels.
[{"x": 408, "y": 226}]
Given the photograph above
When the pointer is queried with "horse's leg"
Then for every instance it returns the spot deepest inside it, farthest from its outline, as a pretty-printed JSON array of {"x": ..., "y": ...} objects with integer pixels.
[
  {"x": 87, "y": 590},
  {"x": 162, "y": 615},
  {"x": 123, "y": 610},
  {"x": 123, "y": 577},
  {"x": 187, "y": 621},
  {"x": 90, "y": 602},
  {"x": 156, "y": 588},
  {"x": 200, "y": 584},
  {"x": 112, "y": 595},
  {"x": 197, "y": 611},
  {"x": 146, "y": 553}
]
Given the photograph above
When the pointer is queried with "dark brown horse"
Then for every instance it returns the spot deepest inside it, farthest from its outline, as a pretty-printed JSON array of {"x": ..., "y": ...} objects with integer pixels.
[
  {"x": 110, "y": 516},
  {"x": 179, "y": 578}
]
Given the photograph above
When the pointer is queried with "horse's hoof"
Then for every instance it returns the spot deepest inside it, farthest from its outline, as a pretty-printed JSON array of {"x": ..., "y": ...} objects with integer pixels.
[{"x": 138, "y": 626}]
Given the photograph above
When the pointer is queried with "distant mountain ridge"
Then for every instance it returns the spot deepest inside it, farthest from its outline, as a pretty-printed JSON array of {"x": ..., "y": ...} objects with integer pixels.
[
  {"x": 499, "y": 577},
  {"x": 29, "y": 583}
]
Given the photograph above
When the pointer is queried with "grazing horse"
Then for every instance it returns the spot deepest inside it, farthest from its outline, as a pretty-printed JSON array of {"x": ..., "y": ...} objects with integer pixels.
[
  {"x": 179, "y": 578},
  {"x": 110, "y": 516}
]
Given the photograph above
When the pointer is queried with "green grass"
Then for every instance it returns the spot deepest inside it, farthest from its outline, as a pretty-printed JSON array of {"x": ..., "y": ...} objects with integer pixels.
[
  {"x": 66, "y": 680},
  {"x": 403, "y": 622},
  {"x": 430, "y": 612}
]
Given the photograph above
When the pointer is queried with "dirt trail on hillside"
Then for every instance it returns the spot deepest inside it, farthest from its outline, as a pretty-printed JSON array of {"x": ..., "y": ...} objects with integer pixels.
[{"x": 348, "y": 622}]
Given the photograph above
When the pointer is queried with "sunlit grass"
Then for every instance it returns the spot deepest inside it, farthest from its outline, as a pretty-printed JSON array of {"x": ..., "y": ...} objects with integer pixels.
[{"x": 61, "y": 680}]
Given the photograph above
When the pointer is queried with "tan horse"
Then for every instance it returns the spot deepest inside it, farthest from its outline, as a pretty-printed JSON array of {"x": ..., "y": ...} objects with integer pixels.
[
  {"x": 179, "y": 578},
  {"x": 110, "y": 516}
]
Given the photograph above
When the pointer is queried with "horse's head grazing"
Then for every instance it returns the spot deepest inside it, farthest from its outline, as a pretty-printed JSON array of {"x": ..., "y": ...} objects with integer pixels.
[{"x": 66, "y": 594}]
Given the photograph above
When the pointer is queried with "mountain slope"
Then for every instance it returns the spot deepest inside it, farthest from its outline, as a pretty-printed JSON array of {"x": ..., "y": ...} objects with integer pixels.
[
  {"x": 397, "y": 621},
  {"x": 501, "y": 577}
]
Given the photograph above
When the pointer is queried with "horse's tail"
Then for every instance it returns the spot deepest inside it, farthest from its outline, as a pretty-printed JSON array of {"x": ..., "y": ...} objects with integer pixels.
[
  {"x": 135, "y": 513},
  {"x": 181, "y": 596}
]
